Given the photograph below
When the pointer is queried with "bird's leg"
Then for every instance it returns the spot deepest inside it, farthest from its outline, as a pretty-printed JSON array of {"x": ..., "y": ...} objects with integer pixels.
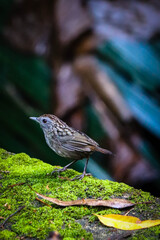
[
  {"x": 64, "y": 168},
  {"x": 84, "y": 172}
]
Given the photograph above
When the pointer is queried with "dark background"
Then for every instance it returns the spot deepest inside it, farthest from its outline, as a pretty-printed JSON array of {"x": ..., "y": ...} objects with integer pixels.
[{"x": 96, "y": 65}]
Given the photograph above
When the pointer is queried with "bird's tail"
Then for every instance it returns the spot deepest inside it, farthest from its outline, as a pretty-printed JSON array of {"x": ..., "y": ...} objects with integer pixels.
[{"x": 104, "y": 151}]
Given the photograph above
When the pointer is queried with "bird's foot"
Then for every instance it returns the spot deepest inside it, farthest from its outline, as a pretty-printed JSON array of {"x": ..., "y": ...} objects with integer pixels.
[
  {"x": 64, "y": 168},
  {"x": 56, "y": 170},
  {"x": 80, "y": 177}
]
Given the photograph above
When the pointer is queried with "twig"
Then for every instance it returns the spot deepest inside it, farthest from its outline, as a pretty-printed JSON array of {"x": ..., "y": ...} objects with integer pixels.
[
  {"x": 18, "y": 210},
  {"x": 128, "y": 211},
  {"x": 4, "y": 171},
  {"x": 148, "y": 202},
  {"x": 17, "y": 184},
  {"x": 43, "y": 202}
]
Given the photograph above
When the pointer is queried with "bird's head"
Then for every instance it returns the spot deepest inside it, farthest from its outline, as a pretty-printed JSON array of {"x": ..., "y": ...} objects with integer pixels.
[{"x": 47, "y": 122}]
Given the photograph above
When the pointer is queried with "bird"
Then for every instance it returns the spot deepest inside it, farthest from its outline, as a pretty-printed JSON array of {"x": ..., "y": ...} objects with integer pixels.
[{"x": 67, "y": 141}]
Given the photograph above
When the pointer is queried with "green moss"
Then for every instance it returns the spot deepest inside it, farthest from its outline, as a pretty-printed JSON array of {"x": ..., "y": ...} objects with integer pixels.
[
  {"x": 7, "y": 235},
  {"x": 150, "y": 233},
  {"x": 36, "y": 220}
]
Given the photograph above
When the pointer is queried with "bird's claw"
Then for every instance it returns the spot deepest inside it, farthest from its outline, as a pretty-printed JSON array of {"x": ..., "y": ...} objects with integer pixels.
[
  {"x": 56, "y": 170},
  {"x": 80, "y": 177}
]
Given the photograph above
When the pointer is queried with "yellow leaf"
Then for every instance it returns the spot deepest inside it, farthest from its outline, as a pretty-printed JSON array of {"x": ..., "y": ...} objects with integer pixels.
[{"x": 126, "y": 222}]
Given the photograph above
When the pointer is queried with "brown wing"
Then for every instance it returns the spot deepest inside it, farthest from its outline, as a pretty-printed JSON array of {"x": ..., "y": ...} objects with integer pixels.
[{"x": 78, "y": 142}]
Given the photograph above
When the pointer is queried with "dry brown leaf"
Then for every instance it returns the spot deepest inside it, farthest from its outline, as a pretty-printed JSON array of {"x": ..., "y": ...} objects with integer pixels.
[
  {"x": 64, "y": 178},
  {"x": 126, "y": 222},
  {"x": 7, "y": 206},
  {"x": 113, "y": 203},
  {"x": 47, "y": 187}
]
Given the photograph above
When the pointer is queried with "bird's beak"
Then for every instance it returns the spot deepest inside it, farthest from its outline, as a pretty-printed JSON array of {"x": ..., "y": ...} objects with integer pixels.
[{"x": 34, "y": 118}]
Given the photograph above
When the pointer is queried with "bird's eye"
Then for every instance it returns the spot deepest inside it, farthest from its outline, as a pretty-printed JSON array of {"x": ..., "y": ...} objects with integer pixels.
[{"x": 44, "y": 120}]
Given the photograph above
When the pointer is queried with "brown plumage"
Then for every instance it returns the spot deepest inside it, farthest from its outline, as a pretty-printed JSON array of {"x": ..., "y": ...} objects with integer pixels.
[{"x": 66, "y": 141}]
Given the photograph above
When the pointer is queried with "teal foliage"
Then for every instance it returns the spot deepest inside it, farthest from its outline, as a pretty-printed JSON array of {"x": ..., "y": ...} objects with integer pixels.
[
  {"x": 6, "y": 8},
  {"x": 30, "y": 74},
  {"x": 137, "y": 59},
  {"x": 134, "y": 67}
]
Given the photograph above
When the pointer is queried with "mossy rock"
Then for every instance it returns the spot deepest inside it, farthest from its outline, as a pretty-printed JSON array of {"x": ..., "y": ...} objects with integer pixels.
[{"x": 36, "y": 219}]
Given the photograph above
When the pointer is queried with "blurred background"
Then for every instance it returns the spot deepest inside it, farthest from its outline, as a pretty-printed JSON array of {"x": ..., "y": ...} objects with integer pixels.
[{"x": 96, "y": 65}]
